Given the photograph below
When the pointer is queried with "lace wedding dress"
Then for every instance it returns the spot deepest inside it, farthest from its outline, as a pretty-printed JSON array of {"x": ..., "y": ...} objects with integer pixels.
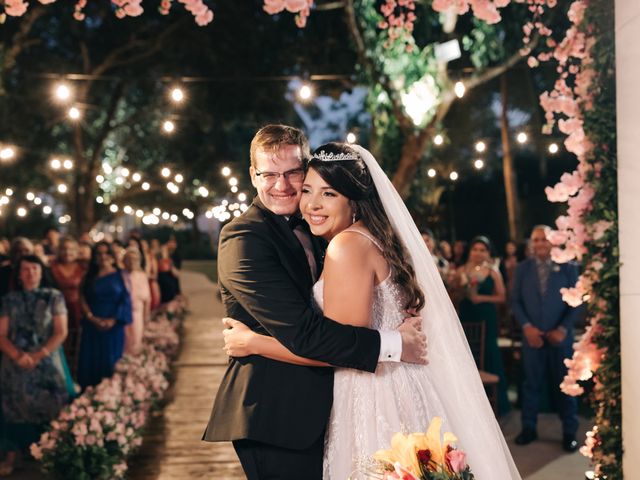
[{"x": 368, "y": 409}]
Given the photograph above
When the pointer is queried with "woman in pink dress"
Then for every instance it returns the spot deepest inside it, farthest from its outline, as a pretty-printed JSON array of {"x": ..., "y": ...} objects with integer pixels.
[
  {"x": 151, "y": 253},
  {"x": 67, "y": 271},
  {"x": 138, "y": 285}
]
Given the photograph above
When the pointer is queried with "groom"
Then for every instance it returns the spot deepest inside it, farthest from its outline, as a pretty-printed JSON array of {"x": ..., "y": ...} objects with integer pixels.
[{"x": 276, "y": 413}]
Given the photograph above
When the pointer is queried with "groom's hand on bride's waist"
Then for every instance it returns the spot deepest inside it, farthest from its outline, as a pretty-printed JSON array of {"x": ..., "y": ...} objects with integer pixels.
[
  {"x": 414, "y": 341},
  {"x": 237, "y": 338}
]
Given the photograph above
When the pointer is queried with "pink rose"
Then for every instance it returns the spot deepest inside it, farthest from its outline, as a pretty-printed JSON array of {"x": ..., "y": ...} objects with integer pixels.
[{"x": 457, "y": 460}]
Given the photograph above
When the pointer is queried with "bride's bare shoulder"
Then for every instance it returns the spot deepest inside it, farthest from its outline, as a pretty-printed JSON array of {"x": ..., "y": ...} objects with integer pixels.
[{"x": 350, "y": 244}]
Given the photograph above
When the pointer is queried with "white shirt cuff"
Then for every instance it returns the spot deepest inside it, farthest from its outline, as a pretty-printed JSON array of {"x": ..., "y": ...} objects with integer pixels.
[{"x": 390, "y": 346}]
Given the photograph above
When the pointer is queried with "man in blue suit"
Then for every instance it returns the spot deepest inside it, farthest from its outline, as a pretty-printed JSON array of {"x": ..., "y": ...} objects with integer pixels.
[{"x": 547, "y": 327}]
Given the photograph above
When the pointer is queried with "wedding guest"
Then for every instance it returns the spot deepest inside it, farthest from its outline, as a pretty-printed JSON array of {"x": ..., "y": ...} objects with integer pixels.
[
  {"x": 84, "y": 252},
  {"x": 68, "y": 271},
  {"x": 138, "y": 285},
  {"x": 34, "y": 378},
  {"x": 547, "y": 327},
  {"x": 4, "y": 250},
  {"x": 176, "y": 258},
  {"x": 483, "y": 291},
  {"x": 51, "y": 241},
  {"x": 446, "y": 251},
  {"x": 441, "y": 262},
  {"x": 106, "y": 306},
  {"x": 118, "y": 251},
  {"x": 153, "y": 251},
  {"x": 459, "y": 252},
  {"x": 19, "y": 246},
  {"x": 167, "y": 276},
  {"x": 39, "y": 251}
]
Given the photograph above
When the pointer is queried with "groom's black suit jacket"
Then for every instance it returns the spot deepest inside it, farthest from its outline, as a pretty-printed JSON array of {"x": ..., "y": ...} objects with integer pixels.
[{"x": 265, "y": 283}]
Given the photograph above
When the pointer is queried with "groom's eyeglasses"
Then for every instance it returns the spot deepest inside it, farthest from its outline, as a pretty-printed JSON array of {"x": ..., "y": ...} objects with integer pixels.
[{"x": 293, "y": 176}]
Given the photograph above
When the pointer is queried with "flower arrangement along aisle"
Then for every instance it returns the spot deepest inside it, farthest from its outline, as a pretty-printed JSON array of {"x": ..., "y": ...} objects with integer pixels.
[
  {"x": 422, "y": 456},
  {"x": 93, "y": 436}
]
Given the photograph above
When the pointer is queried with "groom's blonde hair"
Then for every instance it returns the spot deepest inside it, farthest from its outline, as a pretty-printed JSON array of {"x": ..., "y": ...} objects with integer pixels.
[{"x": 272, "y": 137}]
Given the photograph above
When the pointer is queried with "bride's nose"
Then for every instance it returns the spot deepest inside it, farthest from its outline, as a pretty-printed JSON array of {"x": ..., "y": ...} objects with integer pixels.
[{"x": 313, "y": 204}]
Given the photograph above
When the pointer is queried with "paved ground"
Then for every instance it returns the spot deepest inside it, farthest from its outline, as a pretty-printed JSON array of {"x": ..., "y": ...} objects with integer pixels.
[{"x": 172, "y": 448}]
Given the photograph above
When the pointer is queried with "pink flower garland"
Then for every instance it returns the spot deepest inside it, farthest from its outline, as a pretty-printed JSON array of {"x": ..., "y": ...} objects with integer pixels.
[
  {"x": 300, "y": 7},
  {"x": 124, "y": 8}
]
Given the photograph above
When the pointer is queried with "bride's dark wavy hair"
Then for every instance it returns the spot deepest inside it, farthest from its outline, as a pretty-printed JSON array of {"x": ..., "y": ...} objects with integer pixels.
[{"x": 352, "y": 179}]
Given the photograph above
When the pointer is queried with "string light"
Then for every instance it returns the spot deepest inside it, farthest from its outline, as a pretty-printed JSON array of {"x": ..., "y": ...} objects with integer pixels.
[
  {"x": 145, "y": 186},
  {"x": 453, "y": 176},
  {"x": 242, "y": 197},
  {"x": 174, "y": 218},
  {"x": 165, "y": 215},
  {"x": 165, "y": 172},
  {"x": 226, "y": 171},
  {"x": 55, "y": 164},
  {"x": 67, "y": 164},
  {"x": 127, "y": 209},
  {"x": 113, "y": 207},
  {"x": 30, "y": 196},
  {"x": 168, "y": 126},
  {"x": 139, "y": 213},
  {"x": 107, "y": 168},
  {"x": 179, "y": 178},
  {"x": 7, "y": 153},
  {"x": 305, "y": 93},
  {"x": 37, "y": 200},
  {"x": 156, "y": 211},
  {"x": 47, "y": 210},
  {"x": 99, "y": 199},
  {"x": 479, "y": 164},
  {"x": 8, "y": 192},
  {"x": 177, "y": 95},
  {"x": 351, "y": 137},
  {"x": 553, "y": 148},
  {"x": 203, "y": 192},
  {"x": 22, "y": 212},
  {"x": 136, "y": 177},
  {"x": 233, "y": 181},
  {"x": 459, "y": 89},
  {"x": 4, "y": 200},
  {"x": 99, "y": 178},
  {"x": 431, "y": 172},
  {"x": 438, "y": 139},
  {"x": 74, "y": 113},
  {"x": 62, "y": 92},
  {"x": 62, "y": 188},
  {"x": 481, "y": 146},
  {"x": 124, "y": 172},
  {"x": 522, "y": 137}
]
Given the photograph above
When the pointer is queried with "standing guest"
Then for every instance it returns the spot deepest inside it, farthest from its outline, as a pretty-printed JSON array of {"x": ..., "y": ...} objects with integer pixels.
[
  {"x": 138, "y": 285},
  {"x": 4, "y": 250},
  {"x": 442, "y": 264},
  {"x": 84, "y": 252},
  {"x": 446, "y": 251},
  {"x": 483, "y": 292},
  {"x": 68, "y": 271},
  {"x": 547, "y": 326},
  {"x": 106, "y": 306},
  {"x": 118, "y": 251},
  {"x": 51, "y": 241},
  {"x": 39, "y": 251},
  {"x": 154, "y": 255},
  {"x": 176, "y": 258},
  {"x": 459, "y": 252},
  {"x": 508, "y": 263},
  {"x": 167, "y": 276},
  {"x": 19, "y": 247},
  {"x": 34, "y": 378}
]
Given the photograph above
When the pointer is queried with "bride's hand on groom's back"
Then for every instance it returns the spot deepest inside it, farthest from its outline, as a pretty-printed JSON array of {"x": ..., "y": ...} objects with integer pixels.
[
  {"x": 237, "y": 338},
  {"x": 414, "y": 341}
]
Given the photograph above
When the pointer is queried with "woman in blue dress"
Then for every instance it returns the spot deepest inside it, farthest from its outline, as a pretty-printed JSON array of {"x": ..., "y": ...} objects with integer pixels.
[
  {"x": 106, "y": 305},
  {"x": 34, "y": 377}
]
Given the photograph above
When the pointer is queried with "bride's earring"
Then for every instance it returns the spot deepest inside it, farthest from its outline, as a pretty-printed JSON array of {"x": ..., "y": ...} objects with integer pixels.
[{"x": 353, "y": 217}]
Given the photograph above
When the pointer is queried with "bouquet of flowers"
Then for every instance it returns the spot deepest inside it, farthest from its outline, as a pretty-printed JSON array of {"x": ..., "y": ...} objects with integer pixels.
[{"x": 423, "y": 456}]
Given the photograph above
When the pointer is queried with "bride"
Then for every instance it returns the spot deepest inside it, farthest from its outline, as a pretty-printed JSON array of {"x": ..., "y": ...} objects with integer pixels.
[{"x": 376, "y": 268}]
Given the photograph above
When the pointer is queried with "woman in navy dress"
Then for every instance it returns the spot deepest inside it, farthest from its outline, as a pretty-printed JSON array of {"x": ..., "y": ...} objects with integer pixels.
[{"x": 106, "y": 305}]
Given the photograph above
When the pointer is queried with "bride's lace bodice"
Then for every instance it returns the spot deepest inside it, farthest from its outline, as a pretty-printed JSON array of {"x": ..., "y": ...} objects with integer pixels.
[{"x": 368, "y": 409}]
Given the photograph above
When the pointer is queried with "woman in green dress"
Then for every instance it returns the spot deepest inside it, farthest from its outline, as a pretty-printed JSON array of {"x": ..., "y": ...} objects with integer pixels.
[
  {"x": 484, "y": 290},
  {"x": 34, "y": 377}
]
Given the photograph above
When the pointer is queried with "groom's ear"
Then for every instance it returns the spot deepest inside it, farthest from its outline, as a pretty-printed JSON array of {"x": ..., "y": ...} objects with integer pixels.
[{"x": 252, "y": 175}]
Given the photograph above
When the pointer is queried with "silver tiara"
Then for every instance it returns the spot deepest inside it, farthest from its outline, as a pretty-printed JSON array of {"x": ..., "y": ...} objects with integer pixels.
[{"x": 333, "y": 157}]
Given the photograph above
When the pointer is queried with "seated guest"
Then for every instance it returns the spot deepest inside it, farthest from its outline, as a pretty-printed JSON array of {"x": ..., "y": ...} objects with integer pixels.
[
  {"x": 138, "y": 285},
  {"x": 442, "y": 264},
  {"x": 152, "y": 252},
  {"x": 19, "y": 246},
  {"x": 106, "y": 306},
  {"x": 51, "y": 241},
  {"x": 67, "y": 271},
  {"x": 34, "y": 378}
]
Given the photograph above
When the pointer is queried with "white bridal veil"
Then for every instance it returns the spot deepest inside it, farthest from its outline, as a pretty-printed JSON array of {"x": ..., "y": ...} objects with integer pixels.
[{"x": 451, "y": 366}]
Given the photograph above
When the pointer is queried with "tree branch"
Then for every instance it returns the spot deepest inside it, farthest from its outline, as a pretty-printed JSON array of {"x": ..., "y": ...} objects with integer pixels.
[
  {"x": 19, "y": 41},
  {"x": 106, "y": 126}
]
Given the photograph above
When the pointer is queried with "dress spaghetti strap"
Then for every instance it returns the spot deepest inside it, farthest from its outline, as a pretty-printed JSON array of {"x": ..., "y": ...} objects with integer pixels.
[{"x": 364, "y": 234}]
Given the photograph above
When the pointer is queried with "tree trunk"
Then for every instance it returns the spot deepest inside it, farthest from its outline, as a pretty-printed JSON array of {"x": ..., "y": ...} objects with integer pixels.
[{"x": 510, "y": 179}]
